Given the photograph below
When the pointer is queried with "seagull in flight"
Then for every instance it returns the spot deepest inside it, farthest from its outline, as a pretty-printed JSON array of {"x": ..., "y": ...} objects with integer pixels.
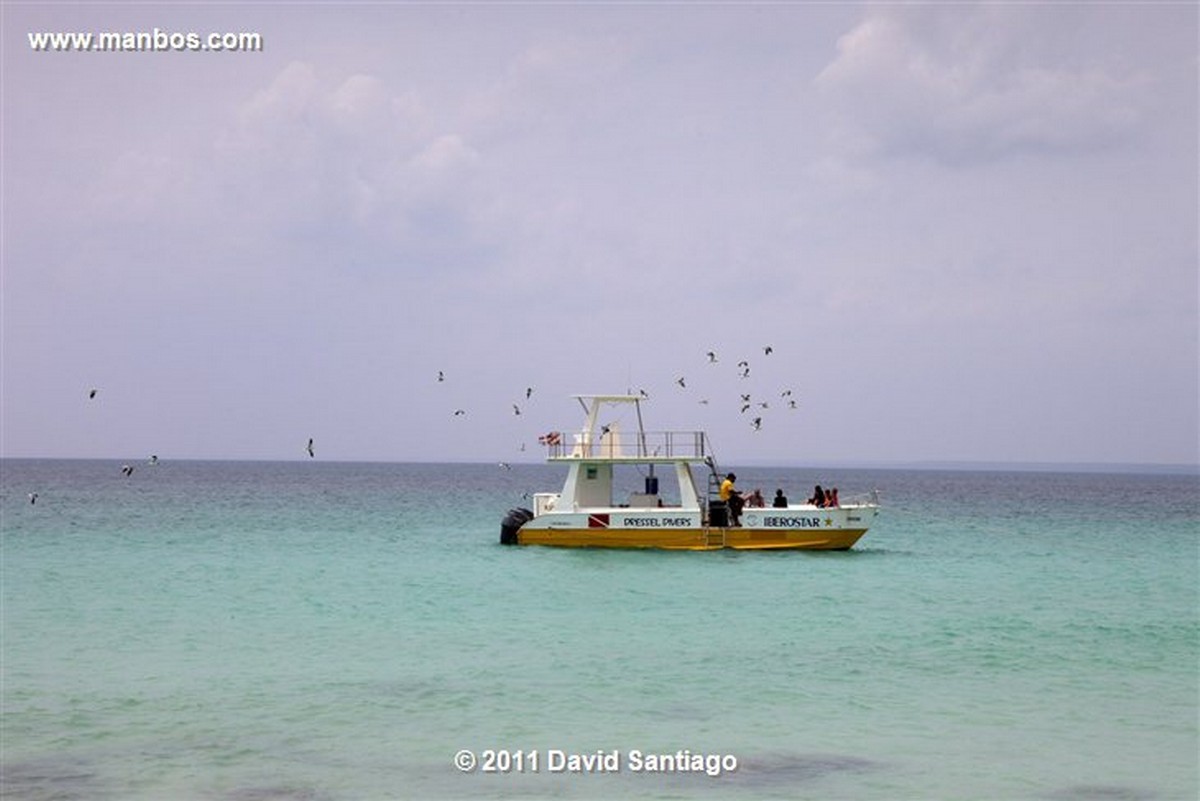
[
  {"x": 528, "y": 392},
  {"x": 679, "y": 381},
  {"x": 32, "y": 497},
  {"x": 127, "y": 470},
  {"x": 712, "y": 357},
  {"x": 768, "y": 350},
  {"x": 516, "y": 409},
  {"x": 459, "y": 412},
  {"x": 311, "y": 454},
  {"x": 441, "y": 376},
  {"x": 92, "y": 393},
  {"x": 756, "y": 423}
]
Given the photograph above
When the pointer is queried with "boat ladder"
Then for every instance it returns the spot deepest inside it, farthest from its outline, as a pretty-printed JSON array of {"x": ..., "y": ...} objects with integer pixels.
[
  {"x": 714, "y": 484},
  {"x": 714, "y": 537}
]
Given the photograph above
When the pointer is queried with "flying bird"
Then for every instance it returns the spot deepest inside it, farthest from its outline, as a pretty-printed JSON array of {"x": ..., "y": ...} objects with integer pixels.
[
  {"x": 92, "y": 392},
  {"x": 152, "y": 460},
  {"x": 505, "y": 466},
  {"x": 33, "y": 497},
  {"x": 787, "y": 393},
  {"x": 767, "y": 350},
  {"x": 441, "y": 376},
  {"x": 756, "y": 423},
  {"x": 459, "y": 412},
  {"x": 516, "y": 409},
  {"x": 791, "y": 404},
  {"x": 528, "y": 392},
  {"x": 311, "y": 454},
  {"x": 712, "y": 357},
  {"x": 679, "y": 381},
  {"x": 127, "y": 469}
]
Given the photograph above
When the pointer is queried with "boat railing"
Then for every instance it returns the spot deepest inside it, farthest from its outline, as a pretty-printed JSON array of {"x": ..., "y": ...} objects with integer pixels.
[
  {"x": 861, "y": 499},
  {"x": 631, "y": 446}
]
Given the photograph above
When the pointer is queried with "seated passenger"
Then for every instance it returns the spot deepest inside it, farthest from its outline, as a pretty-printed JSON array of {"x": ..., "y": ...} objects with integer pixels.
[
  {"x": 818, "y": 497},
  {"x": 780, "y": 501}
]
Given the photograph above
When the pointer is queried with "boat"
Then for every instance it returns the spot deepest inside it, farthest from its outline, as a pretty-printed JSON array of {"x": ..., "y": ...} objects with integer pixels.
[{"x": 602, "y": 457}]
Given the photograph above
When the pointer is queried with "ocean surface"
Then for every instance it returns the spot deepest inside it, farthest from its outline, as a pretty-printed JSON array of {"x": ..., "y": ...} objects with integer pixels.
[{"x": 317, "y": 631}]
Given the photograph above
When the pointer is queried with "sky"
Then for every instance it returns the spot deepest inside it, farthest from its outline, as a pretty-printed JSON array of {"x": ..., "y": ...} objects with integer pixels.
[{"x": 967, "y": 232}]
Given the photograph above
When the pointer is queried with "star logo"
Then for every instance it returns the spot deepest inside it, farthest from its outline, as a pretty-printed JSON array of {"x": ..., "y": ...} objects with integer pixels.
[{"x": 828, "y": 522}]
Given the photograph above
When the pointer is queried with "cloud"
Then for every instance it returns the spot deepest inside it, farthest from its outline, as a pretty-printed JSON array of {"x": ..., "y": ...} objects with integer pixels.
[
  {"x": 969, "y": 84},
  {"x": 354, "y": 162}
]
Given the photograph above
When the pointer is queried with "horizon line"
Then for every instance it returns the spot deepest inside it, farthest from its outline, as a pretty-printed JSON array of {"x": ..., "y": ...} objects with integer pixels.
[{"x": 965, "y": 465}]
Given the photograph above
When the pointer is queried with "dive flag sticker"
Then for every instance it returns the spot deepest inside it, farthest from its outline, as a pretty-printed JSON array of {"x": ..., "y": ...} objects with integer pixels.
[{"x": 598, "y": 521}]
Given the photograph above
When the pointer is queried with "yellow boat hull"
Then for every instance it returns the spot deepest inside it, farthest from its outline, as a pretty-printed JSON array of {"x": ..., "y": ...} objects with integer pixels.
[{"x": 694, "y": 539}]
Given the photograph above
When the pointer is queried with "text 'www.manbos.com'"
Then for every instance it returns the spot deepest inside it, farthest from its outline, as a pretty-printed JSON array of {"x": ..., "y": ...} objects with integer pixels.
[{"x": 152, "y": 41}]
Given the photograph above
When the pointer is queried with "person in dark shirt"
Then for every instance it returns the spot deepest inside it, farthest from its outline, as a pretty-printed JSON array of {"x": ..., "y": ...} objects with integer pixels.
[{"x": 780, "y": 501}]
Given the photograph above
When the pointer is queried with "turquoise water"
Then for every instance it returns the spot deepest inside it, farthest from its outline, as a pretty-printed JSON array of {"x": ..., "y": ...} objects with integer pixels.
[{"x": 254, "y": 631}]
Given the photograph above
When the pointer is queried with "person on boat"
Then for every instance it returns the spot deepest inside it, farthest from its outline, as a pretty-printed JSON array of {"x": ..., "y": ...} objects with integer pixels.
[
  {"x": 780, "y": 501},
  {"x": 818, "y": 497},
  {"x": 756, "y": 500},
  {"x": 733, "y": 498},
  {"x": 831, "y": 499}
]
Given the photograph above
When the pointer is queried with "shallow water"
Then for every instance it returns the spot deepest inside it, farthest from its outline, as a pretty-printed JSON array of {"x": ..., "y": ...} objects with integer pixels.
[{"x": 204, "y": 630}]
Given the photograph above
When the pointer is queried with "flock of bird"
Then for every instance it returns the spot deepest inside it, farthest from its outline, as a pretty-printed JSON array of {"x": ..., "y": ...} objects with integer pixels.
[
  {"x": 746, "y": 404},
  {"x": 746, "y": 401},
  {"x": 516, "y": 408}
]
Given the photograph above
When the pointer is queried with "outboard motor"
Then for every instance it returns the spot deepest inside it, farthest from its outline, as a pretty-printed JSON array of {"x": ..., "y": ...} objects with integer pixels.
[{"x": 512, "y": 524}]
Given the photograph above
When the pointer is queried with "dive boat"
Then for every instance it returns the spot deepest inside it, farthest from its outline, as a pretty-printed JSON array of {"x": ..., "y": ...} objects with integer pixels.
[{"x": 601, "y": 456}]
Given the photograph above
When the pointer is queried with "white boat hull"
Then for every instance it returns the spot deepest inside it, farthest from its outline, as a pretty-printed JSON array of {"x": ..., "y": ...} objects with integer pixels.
[{"x": 761, "y": 529}]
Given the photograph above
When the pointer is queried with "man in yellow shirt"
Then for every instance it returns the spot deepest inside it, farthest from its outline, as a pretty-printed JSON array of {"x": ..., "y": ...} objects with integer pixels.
[{"x": 731, "y": 497}]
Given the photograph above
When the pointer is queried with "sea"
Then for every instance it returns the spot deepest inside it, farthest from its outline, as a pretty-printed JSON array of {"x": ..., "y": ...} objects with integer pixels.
[{"x": 315, "y": 631}]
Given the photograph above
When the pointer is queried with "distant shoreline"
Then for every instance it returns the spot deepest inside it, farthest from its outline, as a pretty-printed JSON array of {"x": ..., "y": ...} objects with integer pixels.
[{"x": 932, "y": 465}]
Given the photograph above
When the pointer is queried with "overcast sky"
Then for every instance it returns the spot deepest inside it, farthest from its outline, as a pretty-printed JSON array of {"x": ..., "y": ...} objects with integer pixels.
[{"x": 968, "y": 232}]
